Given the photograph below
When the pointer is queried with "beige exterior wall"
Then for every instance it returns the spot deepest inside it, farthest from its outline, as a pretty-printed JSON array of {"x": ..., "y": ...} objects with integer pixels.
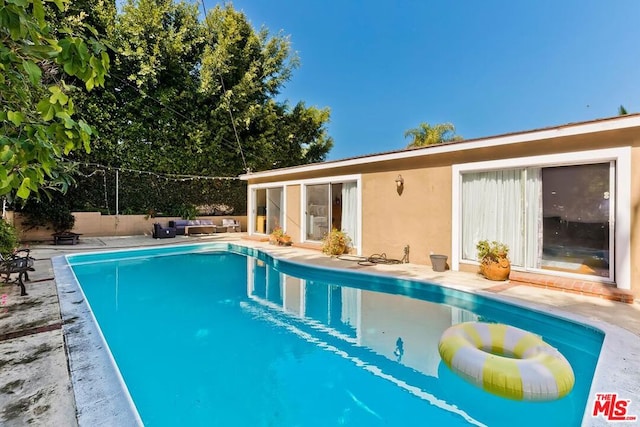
[
  {"x": 294, "y": 216},
  {"x": 385, "y": 317},
  {"x": 419, "y": 217},
  {"x": 422, "y": 215},
  {"x": 93, "y": 224}
]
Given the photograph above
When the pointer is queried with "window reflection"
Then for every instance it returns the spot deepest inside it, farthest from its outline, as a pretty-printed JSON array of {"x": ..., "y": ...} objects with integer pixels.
[
  {"x": 331, "y": 305},
  {"x": 576, "y": 216},
  {"x": 402, "y": 329}
]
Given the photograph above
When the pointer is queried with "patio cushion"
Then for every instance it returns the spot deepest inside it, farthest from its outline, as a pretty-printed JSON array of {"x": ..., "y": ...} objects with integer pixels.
[{"x": 180, "y": 224}]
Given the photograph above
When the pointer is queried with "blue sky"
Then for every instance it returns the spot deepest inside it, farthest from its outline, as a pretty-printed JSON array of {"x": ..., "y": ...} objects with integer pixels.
[{"x": 489, "y": 67}]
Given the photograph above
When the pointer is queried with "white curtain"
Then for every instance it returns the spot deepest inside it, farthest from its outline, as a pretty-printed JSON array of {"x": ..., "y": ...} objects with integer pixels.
[
  {"x": 534, "y": 217},
  {"x": 274, "y": 210},
  {"x": 493, "y": 209},
  {"x": 350, "y": 211}
]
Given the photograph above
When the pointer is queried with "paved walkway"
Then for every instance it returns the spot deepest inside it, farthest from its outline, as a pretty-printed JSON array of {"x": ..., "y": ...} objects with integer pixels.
[{"x": 35, "y": 387}]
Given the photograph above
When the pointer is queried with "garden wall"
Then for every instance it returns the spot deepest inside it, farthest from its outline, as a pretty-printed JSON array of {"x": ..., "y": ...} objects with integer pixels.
[{"x": 94, "y": 224}]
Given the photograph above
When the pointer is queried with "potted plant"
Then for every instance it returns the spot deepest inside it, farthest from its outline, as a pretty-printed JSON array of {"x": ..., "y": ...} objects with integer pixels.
[
  {"x": 284, "y": 240},
  {"x": 335, "y": 242},
  {"x": 279, "y": 237},
  {"x": 494, "y": 260},
  {"x": 276, "y": 234}
]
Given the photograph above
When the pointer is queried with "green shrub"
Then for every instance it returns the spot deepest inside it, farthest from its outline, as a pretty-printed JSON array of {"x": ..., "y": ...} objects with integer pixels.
[
  {"x": 188, "y": 212},
  {"x": 49, "y": 214},
  {"x": 8, "y": 238},
  {"x": 489, "y": 252},
  {"x": 335, "y": 242}
]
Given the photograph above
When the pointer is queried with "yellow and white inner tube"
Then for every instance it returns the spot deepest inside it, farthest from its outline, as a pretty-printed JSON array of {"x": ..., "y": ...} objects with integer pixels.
[{"x": 506, "y": 361}]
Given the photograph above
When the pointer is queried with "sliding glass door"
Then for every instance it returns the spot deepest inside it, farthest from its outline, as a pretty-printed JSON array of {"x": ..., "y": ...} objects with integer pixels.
[
  {"x": 576, "y": 219},
  {"x": 260, "y": 210},
  {"x": 268, "y": 210},
  {"x": 553, "y": 218},
  {"x": 274, "y": 209},
  {"x": 329, "y": 206},
  {"x": 317, "y": 211}
]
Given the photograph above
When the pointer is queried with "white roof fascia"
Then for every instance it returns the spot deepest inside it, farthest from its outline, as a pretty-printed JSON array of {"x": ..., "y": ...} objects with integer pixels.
[{"x": 622, "y": 122}]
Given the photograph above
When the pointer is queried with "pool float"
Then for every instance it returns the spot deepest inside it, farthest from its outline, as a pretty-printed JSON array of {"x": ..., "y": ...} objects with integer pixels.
[{"x": 506, "y": 361}]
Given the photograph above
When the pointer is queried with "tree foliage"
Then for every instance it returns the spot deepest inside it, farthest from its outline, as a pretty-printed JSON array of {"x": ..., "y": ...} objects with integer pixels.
[
  {"x": 195, "y": 96},
  {"x": 184, "y": 96},
  {"x": 425, "y": 134},
  {"x": 182, "y": 90},
  {"x": 54, "y": 213},
  {"x": 43, "y": 56},
  {"x": 8, "y": 238}
]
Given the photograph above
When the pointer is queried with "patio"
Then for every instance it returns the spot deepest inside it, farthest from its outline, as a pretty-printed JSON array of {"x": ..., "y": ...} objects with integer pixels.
[{"x": 34, "y": 379}]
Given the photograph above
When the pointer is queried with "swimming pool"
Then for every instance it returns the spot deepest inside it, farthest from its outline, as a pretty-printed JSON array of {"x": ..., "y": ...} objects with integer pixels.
[{"x": 226, "y": 335}]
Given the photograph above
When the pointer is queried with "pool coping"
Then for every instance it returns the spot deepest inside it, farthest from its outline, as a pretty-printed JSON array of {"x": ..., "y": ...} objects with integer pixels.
[
  {"x": 101, "y": 393},
  {"x": 98, "y": 387},
  {"x": 619, "y": 347}
]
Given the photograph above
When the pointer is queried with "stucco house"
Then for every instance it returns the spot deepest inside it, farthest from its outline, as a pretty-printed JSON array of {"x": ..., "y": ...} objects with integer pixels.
[{"x": 566, "y": 200}]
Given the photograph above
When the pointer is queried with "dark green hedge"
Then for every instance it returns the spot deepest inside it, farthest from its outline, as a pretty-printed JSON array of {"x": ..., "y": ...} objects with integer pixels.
[{"x": 142, "y": 193}]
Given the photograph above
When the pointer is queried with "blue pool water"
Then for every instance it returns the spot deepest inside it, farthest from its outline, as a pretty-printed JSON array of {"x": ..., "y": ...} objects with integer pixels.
[{"x": 220, "y": 337}]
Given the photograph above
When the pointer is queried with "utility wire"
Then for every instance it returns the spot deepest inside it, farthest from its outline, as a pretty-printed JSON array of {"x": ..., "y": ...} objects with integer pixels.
[
  {"x": 173, "y": 176},
  {"x": 233, "y": 122}
]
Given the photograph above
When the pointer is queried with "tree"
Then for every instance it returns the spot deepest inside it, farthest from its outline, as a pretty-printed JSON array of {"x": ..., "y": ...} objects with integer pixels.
[
  {"x": 41, "y": 57},
  {"x": 195, "y": 97},
  {"x": 622, "y": 111},
  {"x": 198, "y": 97},
  {"x": 425, "y": 134},
  {"x": 242, "y": 71}
]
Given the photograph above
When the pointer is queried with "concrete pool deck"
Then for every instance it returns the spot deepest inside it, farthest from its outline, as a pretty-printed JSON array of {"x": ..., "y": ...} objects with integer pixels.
[{"x": 35, "y": 382}]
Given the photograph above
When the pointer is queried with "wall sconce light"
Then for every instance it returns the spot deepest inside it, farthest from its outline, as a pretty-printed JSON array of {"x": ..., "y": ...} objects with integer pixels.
[{"x": 399, "y": 184}]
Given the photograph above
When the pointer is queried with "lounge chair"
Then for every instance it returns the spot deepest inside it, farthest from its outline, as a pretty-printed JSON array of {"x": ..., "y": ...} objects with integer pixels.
[
  {"x": 20, "y": 263},
  {"x": 231, "y": 225}
]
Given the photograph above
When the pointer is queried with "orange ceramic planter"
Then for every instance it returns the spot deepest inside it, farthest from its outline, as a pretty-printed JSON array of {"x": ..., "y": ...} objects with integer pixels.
[{"x": 496, "y": 270}]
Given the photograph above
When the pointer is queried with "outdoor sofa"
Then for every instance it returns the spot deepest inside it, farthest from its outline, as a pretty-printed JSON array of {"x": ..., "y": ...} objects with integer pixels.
[
  {"x": 193, "y": 226},
  {"x": 203, "y": 226}
]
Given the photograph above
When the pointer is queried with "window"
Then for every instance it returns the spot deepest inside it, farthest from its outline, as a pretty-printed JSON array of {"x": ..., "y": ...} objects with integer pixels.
[
  {"x": 575, "y": 212},
  {"x": 552, "y": 217},
  {"x": 268, "y": 212},
  {"x": 576, "y": 219},
  {"x": 331, "y": 205},
  {"x": 317, "y": 211}
]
